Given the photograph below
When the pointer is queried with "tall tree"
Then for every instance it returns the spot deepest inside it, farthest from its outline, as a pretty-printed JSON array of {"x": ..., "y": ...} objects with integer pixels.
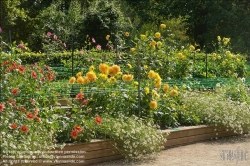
[{"x": 208, "y": 19}]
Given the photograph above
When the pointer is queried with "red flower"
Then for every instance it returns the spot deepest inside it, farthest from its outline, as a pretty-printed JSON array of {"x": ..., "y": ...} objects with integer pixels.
[
  {"x": 5, "y": 63},
  {"x": 30, "y": 116},
  {"x": 2, "y": 107},
  {"x": 79, "y": 96},
  {"x": 13, "y": 103},
  {"x": 13, "y": 126},
  {"x": 74, "y": 134},
  {"x": 77, "y": 128},
  {"x": 33, "y": 74},
  {"x": 85, "y": 102},
  {"x": 23, "y": 109},
  {"x": 14, "y": 91},
  {"x": 42, "y": 79},
  {"x": 50, "y": 76},
  {"x": 24, "y": 128},
  {"x": 38, "y": 119},
  {"x": 21, "y": 69},
  {"x": 98, "y": 120}
]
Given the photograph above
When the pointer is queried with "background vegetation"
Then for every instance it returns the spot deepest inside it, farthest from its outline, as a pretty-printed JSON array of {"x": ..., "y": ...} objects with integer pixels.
[{"x": 196, "y": 21}]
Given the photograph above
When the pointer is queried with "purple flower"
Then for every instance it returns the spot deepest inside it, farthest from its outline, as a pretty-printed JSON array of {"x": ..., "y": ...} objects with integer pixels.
[
  {"x": 1, "y": 30},
  {"x": 49, "y": 34},
  {"x": 55, "y": 37},
  {"x": 93, "y": 40}
]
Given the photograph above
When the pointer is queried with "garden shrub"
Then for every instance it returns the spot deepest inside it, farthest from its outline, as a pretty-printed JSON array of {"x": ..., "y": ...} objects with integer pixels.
[
  {"x": 213, "y": 108},
  {"x": 110, "y": 21},
  {"x": 25, "y": 105},
  {"x": 113, "y": 90},
  {"x": 133, "y": 137}
]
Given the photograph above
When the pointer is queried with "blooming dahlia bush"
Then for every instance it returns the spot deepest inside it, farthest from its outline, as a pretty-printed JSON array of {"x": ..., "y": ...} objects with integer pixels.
[
  {"x": 109, "y": 89},
  {"x": 25, "y": 105}
]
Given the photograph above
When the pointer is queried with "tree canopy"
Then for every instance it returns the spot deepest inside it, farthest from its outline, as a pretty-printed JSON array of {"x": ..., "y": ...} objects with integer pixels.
[{"x": 204, "y": 20}]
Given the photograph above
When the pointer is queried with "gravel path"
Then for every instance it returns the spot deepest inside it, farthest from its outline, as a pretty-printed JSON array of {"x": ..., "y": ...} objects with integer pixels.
[{"x": 207, "y": 153}]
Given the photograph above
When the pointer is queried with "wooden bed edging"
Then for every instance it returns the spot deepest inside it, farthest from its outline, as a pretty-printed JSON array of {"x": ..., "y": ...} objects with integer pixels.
[{"x": 99, "y": 151}]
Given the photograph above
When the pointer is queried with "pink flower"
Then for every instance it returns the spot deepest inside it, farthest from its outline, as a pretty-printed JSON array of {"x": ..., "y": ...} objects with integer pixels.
[
  {"x": 21, "y": 46},
  {"x": 55, "y": 37},
  {"x": 64, "y": 44},
  {"x": 32, "y": 101},
  {"x": 81, "y": 52},
  {"x": 99, "y": 47},
  {"x": 49, "y": 34},
  {"x": 93, "y": 40},
  {"x": 1, "y": 30}
]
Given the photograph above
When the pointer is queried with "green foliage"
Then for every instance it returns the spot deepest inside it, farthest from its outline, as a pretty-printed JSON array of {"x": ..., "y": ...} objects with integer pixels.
[
  {"x": 63, "y": 23},
  {"x": 237, "y": 90},
  {"x": 175, "y": 32},
  {"x": 207, "y": 19},
  {"x": 105, "y": 18}
]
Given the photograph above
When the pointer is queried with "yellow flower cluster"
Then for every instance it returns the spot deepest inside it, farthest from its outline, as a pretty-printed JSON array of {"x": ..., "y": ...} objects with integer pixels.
[
  {"x": 105, "y": 70},
  {"x": 107, "y": 37},
  {"x": 152, "y": 44},
  {"x": 143, "y": 37},
  {"x": 192, "y": 48},
  {"x": 226, "y": 41},
  {"x": 157, "y": 35},
  {"x": 127, "y": 77},
  {"x": 90, "y": 77},
  {"x": 163, "y": 26},
  {"x": 218, "y": 38},
  {"x": 113, "y": 70},
  {"x": 127, "y": 34},
  {"x": 132, "y": 50},
  {"x": 157, "y": 79},
  {"x": 153, "y": 104},
  {"x": 181, "y": 56}
]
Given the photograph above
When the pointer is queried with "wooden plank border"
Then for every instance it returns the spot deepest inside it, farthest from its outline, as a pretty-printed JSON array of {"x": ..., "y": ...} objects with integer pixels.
[{"x": 99, "y": 151}]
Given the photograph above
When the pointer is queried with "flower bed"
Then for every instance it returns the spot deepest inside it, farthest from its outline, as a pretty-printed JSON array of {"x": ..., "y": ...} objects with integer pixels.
[{"x": 98, "y": 151}]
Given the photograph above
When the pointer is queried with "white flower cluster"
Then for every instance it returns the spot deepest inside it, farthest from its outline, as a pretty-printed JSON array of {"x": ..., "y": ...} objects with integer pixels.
[
  {"x": 133, "y": 137},
  {"x": 214, "y": 109}
]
